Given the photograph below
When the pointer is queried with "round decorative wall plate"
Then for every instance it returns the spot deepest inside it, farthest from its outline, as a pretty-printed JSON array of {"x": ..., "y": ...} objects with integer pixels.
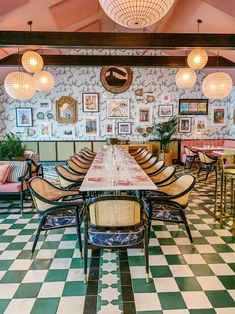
[
  {"x": 49, "y": 116},
  {"x": 40, "y": 115},
  {"x": 116, "y": 79}
]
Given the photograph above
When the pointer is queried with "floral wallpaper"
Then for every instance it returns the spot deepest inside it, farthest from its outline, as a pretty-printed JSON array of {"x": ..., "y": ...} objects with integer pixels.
[{"x": 151, "y": 88}]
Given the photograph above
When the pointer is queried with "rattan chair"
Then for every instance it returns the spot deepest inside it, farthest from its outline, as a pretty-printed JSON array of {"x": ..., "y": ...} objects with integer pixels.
[
  {"x": 139, "y": 157},
  {"x": 191, "y": 156},
  {"x": 207, "y": 163},
  {"x": 76, "y": 169},
  {"x": 82, "y": 159},
  {"x": 149, "y": 163},
  {"x": 86, "y": 156},
  {"x": 136, "y": 152},
  {"x": 68, "y": 179},
  {"x": 115, "y": 222},
  {"x": 34, "y": 169},
  {"x": 145, "y": 159},
  {"x": 57, "y": 208},
  {"x": 155, "y": 168},
  {"x": 171, "y": 200},
  {"x": 165, "y": 176},
  {"x": 88, "y": 152},
  {"x": 79, "y": 163}
]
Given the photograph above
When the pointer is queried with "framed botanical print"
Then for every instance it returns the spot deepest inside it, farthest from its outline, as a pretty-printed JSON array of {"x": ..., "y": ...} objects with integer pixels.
[
  {"x": 91, "y": 125},
  {"x": 201, "y": 123},
  {"x": 66, "y": 110},
  {"x": 185, "y": 125},
  {"x": 118, "y": 108},
  {"x": 165, "y": 111},
  {"x": 110, "y": 128},
  {"x": 116, "y": 79},
  {"x": 193, "y": 106},
  {"x": 124, "y": 128},
  {"x": 144, "y": 115},
  {"x": 45, "y": 129},
  {"x": 218, "y": 116},
  {"x": 90, "y": 102},
  {"x": 24, "y": 117}
]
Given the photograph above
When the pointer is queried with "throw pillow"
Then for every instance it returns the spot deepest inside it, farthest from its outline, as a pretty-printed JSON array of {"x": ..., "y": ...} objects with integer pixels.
[{"x": 4, "y": 171}]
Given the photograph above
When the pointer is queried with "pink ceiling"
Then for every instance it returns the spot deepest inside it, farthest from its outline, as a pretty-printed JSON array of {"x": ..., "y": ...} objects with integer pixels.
[
  {"x": 68, "y": 12},
  {"x": 226, "y": 6},
  {"x": 9, "y": 5},
  {"x": 92, "y": 27}
]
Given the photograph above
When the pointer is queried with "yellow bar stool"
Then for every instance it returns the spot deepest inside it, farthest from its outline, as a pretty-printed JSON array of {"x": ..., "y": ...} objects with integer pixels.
[{"x": 227, "y": 214}]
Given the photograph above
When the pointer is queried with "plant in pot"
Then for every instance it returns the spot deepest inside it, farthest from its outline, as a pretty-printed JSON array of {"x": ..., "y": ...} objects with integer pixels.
[
  {"x": 12, "y": 148},
  {"x": 164, "y": 132}
]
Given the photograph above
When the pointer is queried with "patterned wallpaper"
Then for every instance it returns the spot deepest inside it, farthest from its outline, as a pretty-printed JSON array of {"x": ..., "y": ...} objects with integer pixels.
[{"x": 73, "y": 81}]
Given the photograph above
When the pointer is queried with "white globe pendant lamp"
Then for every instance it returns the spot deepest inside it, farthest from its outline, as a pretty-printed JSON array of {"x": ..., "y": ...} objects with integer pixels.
[
  {"x": 185, "y": 78},
  {"x": 32, "y": 61},
  {"x": 136, "y": 13},
  {"x": 197, "y": 59},
  {"x": 44, "y": 81},
  {"x": 19, "y": 85},
  {"x": 217, "y": 85}
]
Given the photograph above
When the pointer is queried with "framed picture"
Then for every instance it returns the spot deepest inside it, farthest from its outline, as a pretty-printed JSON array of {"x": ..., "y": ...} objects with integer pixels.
[
  {"x": 91, "y": 126},
  {"x": 67, "y": 131},
  {"x": 110, "y": 128},
  {"x": 45, "y": 104},
  {"x": 144, "y": 115},
  {"x": 90, "y": 102},
  {"x": 24, "y": 117},
  {"x": 124, "y": 128},
  {"x": 185, "y": 125},
  {"x": 201, "y": 123},
  {"x": 118, "y": 108},
  {"x": 165, "y": 98},
  {"x": 193, "y": 106},
  {"x": 66, "y": 110},
  {"x": 218, "y": 116},
  {"x": 116, "y": 79},
  {"x": 165, "y": 111},
  {"x": 45, "y": 129}
]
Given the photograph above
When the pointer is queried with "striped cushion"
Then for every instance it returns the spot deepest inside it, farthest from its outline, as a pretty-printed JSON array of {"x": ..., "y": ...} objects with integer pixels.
[{"x": 17, "y": 169}]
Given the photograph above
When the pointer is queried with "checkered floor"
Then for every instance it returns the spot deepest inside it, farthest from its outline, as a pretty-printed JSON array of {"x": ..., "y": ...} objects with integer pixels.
[{"x": 185, "y": 278}]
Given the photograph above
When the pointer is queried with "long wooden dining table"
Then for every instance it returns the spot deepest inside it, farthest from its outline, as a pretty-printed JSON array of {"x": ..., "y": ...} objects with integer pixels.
[{"x": 114, "y": 169}]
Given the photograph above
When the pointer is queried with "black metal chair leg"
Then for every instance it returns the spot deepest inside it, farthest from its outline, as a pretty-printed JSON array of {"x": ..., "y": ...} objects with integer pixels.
[
  {"x": 187, "y": 227},
  {"x": 146, "y": 240},
  {"x": 36, "y": 239},
  {"x": 85, "y": 252},
  {"x": 78, "y": 231}
]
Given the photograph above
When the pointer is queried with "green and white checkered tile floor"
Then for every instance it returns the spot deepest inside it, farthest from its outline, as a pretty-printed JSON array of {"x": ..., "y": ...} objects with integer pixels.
[{"x": 185, "y": 278}]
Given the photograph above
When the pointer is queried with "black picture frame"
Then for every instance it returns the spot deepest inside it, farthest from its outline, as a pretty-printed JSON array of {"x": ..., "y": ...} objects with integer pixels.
[
  {"x": 122, "y": 131},
  {"x": 193, "y": 107},
  {"x": 24, "y": 117},
  {"x": 185, "y": 125},
  {"x": 90, "y": 102}
]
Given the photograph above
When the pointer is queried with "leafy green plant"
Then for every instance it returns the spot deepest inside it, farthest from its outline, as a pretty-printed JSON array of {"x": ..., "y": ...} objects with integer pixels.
[
  {"x": 164, "y": 132},
  {"x": 11, "y": 147}
]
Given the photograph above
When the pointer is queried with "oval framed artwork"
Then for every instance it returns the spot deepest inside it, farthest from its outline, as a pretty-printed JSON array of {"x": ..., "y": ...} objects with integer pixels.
[{"x": 116, "y": 79}]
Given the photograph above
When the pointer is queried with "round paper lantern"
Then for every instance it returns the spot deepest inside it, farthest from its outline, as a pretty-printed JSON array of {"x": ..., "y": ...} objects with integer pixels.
[
  {"x": 136, "y": 13},
  {"x": 185, "y": 78},
  {"x": 197, "y": 59},
  {"x": 44, "y": 81},
  {"x": 19, "y": 85},
  {"x": 217, "y": 85},
  {"x": 32, "y": 61}
]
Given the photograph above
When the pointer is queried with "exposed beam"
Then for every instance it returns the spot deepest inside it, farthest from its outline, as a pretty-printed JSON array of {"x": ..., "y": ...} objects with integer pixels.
[
  {"x": 91, "y": 60},
  {"x": 115, "y": 40}
]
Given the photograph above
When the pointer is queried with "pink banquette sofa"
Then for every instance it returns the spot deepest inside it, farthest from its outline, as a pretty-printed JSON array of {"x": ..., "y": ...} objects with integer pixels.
[{"x": 192, "y": 143}]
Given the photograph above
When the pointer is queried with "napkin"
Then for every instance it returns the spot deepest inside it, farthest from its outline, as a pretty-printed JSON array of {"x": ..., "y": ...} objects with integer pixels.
[
  {"x": 97, "y": 166},
  {"x": 142, "y": 178},
  {"x": 135, "y": 168},
  {"x": 122, "y": 182},
  {"x": 95, "y": 179}
]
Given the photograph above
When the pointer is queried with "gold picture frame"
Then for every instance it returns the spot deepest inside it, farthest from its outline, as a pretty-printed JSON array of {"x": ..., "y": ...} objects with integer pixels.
[
  {"x": 66, "y": 110},
  {"x": 116, "y": 79}
]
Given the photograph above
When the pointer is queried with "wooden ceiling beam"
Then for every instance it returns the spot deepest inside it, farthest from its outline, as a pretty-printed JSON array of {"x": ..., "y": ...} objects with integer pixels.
[
  {"x": 115, "y": 40},
  {"x": 94, "y": 60}
]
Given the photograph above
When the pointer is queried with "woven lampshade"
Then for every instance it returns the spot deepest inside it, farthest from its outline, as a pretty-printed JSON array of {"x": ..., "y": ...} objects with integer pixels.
[
  {"x": 197, "y": 59},
  {"x": 19, "y": 85},
  {"x": 32, "y": 61},
  {"x": 44, "y": 81},
  {"x": 217, "y": 85},
  {"x": 136, "y": 13},
  {"x": 185, "y": 78}
]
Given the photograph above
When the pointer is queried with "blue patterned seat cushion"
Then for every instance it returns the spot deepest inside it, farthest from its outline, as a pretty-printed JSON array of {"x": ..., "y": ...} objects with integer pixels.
[
  {"x": 208, "y": 167},
  {"x": 191, "y": 159},
  {"x": 60, "y": 219},
  {"x": 116, "y": 238},
  {"x": 166, "y": 212}
]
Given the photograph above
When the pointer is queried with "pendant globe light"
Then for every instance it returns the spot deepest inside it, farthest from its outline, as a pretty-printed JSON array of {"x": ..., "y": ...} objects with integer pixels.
[
  {"x": 185, "y": 78},
  {"x": 44, "y": 81},
  {"x": 217, "y": 85},
  {"x": 31, "y": 61},
  {"x": 19, "y": 85},
  {"x": 197, "y": 58},
  {"x": 136, "y": 13}
]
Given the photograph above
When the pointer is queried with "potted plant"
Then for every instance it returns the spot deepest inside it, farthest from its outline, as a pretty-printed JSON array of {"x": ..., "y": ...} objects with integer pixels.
[
  {"x": 12, "y": 148},
  {"x": 164, "y": 132}
]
